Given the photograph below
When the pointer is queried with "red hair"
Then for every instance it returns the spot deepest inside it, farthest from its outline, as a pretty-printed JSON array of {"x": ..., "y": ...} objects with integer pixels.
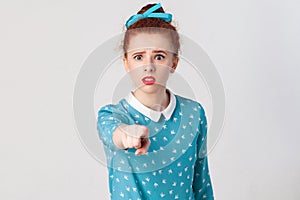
[{"x": 152, "y": 25}]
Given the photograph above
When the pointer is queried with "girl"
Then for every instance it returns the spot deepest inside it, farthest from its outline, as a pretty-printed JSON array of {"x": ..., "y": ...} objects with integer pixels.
[{"x": 155, "y": 140}]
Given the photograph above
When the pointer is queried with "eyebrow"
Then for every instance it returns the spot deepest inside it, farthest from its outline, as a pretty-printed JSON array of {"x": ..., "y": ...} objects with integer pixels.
[
  {"x": 154, "y": 51},
  {"x": 159, "y": 51}
]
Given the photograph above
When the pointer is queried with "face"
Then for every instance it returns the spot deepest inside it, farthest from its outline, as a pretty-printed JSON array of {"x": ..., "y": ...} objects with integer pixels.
[{"x": 150, "y": 59}]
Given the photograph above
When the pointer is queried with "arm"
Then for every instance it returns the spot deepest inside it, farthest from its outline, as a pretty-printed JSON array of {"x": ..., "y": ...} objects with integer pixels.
[
  {"x": 110, "y": 117},
  {"x": 202, "y": 185},
  {"x": 115, "y": 131}
]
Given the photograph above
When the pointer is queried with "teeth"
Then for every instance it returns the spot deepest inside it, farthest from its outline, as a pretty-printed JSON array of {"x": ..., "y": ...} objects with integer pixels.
[{"x": 149, "y": 79}]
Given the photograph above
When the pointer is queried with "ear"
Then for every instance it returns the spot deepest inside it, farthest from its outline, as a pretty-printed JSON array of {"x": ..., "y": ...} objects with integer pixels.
[
  {"x": 174, "y": 64},
  {"x": 125, "y": 64}
]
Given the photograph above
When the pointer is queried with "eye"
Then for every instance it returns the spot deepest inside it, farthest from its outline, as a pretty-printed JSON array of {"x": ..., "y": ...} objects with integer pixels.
[
  {"x": 159, "y": 57},
  {"x": 138, "y": 57}
]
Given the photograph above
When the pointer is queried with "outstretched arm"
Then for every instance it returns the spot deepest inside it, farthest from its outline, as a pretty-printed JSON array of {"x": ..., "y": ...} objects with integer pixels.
[{"x": 116, "y": 132}]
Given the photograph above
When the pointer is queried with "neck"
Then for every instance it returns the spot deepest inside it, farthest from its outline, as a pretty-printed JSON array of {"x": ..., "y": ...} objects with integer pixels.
[{"x": 158, "y": 100}]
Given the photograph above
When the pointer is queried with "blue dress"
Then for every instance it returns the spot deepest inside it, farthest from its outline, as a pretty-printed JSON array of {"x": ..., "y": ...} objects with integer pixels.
[{"x": 176, "y": 165}]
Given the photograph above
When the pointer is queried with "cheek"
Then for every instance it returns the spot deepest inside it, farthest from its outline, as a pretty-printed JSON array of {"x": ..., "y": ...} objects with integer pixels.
[
  {"x": 163, "y": 75},
  {"x": 136, "y": 75},
  {"x": 134, "y": 64},
  {"x": 130, "y": 65},
  {"x": 168, "y": 62}
]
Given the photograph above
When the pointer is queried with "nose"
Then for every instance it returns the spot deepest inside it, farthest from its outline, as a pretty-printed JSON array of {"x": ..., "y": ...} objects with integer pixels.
[
  {"x": 149, "y": 65},
  {"x": 149, "y": 68}
]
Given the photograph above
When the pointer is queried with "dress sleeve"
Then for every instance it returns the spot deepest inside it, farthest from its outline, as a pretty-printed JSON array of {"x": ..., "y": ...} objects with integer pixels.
[
  {"x": 110, "y": 117},
  {"x": 202, "y": 186}
]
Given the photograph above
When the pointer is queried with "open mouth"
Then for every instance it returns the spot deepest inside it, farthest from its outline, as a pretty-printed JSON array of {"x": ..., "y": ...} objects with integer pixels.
[{"x": 148, "y": 80}]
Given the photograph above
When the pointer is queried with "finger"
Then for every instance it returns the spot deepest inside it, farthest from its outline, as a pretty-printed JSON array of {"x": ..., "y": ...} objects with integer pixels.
[
  {"x": 136, "y": 142},
  {"x": 145, "y": 146},
  {"x": 124, "y": 140},
  {"x": 130, "y": 141}
]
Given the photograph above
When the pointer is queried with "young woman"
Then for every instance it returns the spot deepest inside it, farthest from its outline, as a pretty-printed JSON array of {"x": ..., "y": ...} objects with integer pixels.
[{"x": 155, "y": 140}]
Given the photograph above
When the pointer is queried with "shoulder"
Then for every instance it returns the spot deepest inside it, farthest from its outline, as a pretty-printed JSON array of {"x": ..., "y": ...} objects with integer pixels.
[
  {"x": 188, "y": 103},
  {"x": 118, "y": 108},
  {"x": 192, "y": 107}
]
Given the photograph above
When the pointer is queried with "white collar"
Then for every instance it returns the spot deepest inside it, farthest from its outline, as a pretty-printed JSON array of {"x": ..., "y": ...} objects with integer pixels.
[{"x": 152, "y": 114}]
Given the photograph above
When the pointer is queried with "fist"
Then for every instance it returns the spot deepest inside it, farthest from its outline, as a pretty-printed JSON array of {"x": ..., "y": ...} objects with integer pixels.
[{"x": 135, "y": 136}]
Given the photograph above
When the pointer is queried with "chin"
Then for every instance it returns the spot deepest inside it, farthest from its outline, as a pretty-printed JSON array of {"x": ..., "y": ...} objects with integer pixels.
[{"x": 151, "y": 88}]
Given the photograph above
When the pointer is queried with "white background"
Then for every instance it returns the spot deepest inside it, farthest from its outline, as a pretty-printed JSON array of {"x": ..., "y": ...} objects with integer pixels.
[{"x": 254, "y": 45}]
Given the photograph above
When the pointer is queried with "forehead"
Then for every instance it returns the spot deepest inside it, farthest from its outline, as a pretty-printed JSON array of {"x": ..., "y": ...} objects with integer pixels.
[{"x": 158, "y": 41}]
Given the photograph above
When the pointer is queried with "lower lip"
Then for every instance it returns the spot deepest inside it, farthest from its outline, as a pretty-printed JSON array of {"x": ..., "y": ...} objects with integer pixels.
[{"x": 148, "y": 82}]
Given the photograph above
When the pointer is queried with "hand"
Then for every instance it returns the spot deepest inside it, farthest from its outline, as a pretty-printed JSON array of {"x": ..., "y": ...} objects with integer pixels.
[{"x": 133, "y": 136}]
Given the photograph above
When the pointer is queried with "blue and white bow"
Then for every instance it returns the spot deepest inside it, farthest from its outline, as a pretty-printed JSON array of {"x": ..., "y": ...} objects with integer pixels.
[{"x": 149, "y": 14}]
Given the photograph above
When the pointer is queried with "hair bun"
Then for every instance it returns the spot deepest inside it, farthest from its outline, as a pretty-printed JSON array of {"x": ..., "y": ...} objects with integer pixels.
[{"x": 146, "y": 7}]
